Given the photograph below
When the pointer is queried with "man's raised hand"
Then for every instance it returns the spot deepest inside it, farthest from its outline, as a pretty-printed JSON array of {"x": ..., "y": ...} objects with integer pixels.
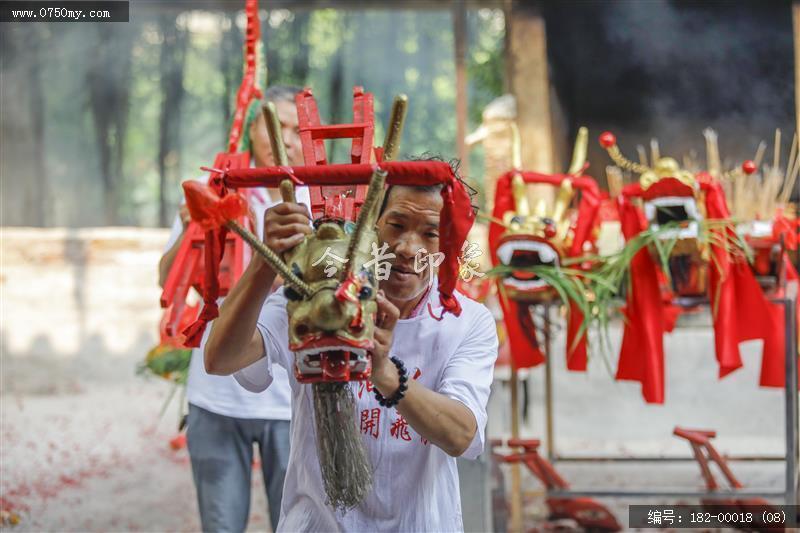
[{"x": 285, "y": 226}]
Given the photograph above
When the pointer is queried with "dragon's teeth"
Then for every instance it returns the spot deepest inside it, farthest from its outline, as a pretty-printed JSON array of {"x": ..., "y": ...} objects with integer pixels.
[
  {"x": 546, "y": 254},
  {"x": 504, "y": 253}
]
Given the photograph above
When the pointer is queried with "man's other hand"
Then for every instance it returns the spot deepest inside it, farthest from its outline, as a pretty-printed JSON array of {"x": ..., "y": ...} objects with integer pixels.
[{"x": 384, "y": 374}]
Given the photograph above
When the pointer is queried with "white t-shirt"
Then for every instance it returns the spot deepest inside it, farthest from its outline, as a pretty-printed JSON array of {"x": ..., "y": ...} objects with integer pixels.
[
  {"x": 221, "y": 394},
  {"x": 415, "y": 485}
]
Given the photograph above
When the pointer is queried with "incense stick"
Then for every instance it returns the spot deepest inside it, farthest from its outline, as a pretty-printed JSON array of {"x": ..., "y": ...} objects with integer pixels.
[
  {"x": 712, "y": 152},
  {"x": 655, "y": 153},
  {"x": 762, "y": 147},
  {"x": 614, "y": 176},
  {"x": 788, "y": 183},
  {"x": 642, "y": 155}
]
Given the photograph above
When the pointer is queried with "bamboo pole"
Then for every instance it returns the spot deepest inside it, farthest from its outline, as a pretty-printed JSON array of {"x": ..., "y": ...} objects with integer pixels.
[
  {"x": 526, "y": 57},
  {"x": 460, "y": 34},
  {"x": 516, "y": 475},
  {"x": 551, "y": 447}
]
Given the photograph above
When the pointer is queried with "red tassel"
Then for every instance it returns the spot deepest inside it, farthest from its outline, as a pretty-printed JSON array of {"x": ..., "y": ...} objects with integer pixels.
[{"x": 194, "y": 333}]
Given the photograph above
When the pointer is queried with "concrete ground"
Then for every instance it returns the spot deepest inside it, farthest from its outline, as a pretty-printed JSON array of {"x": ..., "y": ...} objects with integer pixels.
[
  {"x": 83, "y": 448},
  {"x": 82, "y": 444}
]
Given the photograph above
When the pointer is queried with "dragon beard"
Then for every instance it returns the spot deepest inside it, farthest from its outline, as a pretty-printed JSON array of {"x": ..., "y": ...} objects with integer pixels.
[{"x": 346, "y": 469}]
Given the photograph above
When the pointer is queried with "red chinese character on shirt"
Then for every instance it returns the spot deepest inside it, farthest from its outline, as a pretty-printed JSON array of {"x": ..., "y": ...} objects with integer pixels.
[
  {"x": 399, "y": 429},
  {"x": 364, "y": 385},
  {"x": 370, "y": 421}
]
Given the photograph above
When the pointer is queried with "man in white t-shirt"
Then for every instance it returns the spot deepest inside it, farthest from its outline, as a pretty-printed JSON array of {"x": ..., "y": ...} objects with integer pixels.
[
  {"x": 413, "y": 446},
  {"x": 224, "y": 419}
]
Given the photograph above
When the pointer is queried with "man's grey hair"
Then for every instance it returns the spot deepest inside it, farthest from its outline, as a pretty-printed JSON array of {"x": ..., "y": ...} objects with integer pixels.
[{"x": 281, "y": 93}]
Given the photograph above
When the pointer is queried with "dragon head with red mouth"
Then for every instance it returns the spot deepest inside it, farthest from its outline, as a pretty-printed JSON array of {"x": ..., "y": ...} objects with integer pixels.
[
  {"x": 331, "y": 330},
  {"x": 532, "y": 239},
  {"x": 670, "y": 195},
  {"x": 526, "y": 238},
  {"x": 522, "y": 239}
]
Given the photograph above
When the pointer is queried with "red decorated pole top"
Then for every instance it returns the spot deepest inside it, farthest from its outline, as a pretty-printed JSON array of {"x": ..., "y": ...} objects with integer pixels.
[
  {"x": 607, "y": 139},
  {"x": 748, "y": 167}
]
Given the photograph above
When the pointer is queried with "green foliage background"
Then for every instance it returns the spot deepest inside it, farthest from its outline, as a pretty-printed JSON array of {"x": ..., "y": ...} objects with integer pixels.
[{"x": 387, "y": 51}]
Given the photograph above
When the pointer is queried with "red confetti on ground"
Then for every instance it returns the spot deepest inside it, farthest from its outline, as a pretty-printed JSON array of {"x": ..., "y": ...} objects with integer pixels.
[{"x": 178, "y": 442}]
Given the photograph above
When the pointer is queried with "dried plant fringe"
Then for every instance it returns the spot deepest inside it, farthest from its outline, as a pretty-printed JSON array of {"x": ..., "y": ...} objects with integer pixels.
[{"x": 346, "y": 469}]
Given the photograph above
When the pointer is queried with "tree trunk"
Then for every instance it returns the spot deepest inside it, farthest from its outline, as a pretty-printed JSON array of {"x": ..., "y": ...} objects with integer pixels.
[
  {"x": 300, "y": 61},
  {"x": 108, "y": 79},
  {"x": 230, "y": 52},
  {"x": 171, "y": 66},
  {"x": 38, "y": 205}
]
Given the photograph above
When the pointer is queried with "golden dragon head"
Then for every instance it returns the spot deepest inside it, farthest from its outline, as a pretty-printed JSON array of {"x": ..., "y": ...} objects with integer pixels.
[
  {"x": 331, "y": 328},
  {"x": 670, "y": 195},
  {"x": 331, "y": 278},
  {"x": 539, "y": 236}
]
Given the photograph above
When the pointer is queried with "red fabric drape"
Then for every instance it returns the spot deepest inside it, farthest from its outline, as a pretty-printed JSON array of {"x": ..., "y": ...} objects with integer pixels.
[
  {"x": 742, "y": 312},
  {"x": 214, "y": 249},
  {"x": 740, "y": 309},
  {"x": 641, "y": 356}
]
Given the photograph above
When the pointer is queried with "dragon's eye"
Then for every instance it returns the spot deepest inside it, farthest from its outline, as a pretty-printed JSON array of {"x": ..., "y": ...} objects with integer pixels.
[
  {"x": 516, "y": 219},
  {"x": 292, "y": 294},
  {"x": 549, "y": 227},
  {"x": 365, "y": 293},
  {"x": 368, "y": 275},
  {"x": 296, "y": 270}
]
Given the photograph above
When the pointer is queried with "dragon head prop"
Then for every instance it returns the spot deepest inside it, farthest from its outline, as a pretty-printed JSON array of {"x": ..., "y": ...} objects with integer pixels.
[
  {"x": 706, "y": 263},
  {"x": 331, "y": 327},
  {"x": 537, "y": 238},
  {"x": 759, "y": 195},
  {"x": 672, "y": 196},
  {"x": 523, "y": 237},
  {"x": 331, "y": 277}
]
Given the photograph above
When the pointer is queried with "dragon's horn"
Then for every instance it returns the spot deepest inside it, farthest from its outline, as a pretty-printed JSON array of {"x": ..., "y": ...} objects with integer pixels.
[
  {"x": 565, "y": 193},
  {"x": 609, "y": 142},
  {"x": 367, "y": 216},
  {"x": 579, "y": 152},
  {"x": 516, "y": 146},
  {"x": 655, "y": 151},
  {"x": 393, "y": 133},
  {"x": 273, "y": 259},
  {"x": 519, "y": 191},
  {"x": 540, "y": 209}
]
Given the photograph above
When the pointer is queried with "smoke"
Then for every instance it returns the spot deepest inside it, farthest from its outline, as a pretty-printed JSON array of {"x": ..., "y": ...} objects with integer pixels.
[{"x": 669, "y": 69}]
